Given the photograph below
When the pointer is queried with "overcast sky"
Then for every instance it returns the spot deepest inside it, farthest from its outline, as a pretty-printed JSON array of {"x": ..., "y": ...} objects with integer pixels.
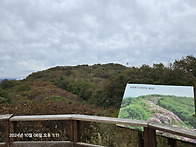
[{"x": 39, "y": 34}]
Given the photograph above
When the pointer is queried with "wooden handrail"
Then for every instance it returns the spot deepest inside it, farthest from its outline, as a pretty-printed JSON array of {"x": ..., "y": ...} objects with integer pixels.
[
  {"x": 173, "y": 130},
  {"x": 149, "y": 127},
  {"x": 89, "y": 118},
  {"x": 100, "y": 119},
  {"x": 40, "y": 117},
  {"x": 110, "y": 120},
  {"x": 5, "y": 117}
]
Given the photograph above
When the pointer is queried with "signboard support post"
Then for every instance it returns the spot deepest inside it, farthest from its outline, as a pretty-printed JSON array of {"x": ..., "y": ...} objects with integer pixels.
[{"x": 149, "y": 137}]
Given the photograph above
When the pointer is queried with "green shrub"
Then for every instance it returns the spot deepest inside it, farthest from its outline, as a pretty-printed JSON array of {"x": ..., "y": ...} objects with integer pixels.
[
  {"x": 4, "y": 97},
  {"x": 23, "y": 88}
]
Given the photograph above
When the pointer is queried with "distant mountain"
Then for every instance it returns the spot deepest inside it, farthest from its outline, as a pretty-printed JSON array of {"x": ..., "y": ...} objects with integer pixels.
[{"x": 1, "y": 79}]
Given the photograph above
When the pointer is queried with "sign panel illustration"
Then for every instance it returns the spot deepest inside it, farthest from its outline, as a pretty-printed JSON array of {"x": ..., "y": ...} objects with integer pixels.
[{"x": 171, "y": 105}]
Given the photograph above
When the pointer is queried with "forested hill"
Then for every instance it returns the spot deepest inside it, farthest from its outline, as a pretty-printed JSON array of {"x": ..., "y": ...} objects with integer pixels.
[{"x": 87, "y": 89}]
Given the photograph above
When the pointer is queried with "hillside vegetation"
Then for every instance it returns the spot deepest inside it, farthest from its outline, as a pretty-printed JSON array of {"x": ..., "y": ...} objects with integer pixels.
[{"x": 84, "y": 89}]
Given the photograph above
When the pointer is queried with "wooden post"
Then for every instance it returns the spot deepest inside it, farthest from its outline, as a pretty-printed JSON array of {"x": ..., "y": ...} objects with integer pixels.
[
  {"x": 7, "y": 132},
  {"x": 12, "y": 130},
  {"x": 149, "y": 137},
  {"x": 140, "y": 139},
  {"x": 74, "y": 131},
  {"x": 6, "y": 118}
]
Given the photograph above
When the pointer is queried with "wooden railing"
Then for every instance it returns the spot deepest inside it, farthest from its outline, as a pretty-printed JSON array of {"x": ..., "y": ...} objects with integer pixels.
[{"x": 149, "y": 129}]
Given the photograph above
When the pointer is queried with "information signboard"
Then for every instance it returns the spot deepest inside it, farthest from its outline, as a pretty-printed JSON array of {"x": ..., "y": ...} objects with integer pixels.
[{"x": 171, "y": 105}]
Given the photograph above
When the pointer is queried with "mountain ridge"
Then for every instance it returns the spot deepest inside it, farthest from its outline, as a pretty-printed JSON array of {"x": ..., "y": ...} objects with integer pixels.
[{"x": 102, "y": 84}]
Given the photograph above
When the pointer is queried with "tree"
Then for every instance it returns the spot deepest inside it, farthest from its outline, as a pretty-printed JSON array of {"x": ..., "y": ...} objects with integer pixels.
[
  {"x": 187, "y": 64},
  {"x": 7, "y": 83}
]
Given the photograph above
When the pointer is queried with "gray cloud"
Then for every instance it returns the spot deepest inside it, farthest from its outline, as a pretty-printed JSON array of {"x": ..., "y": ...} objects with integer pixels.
[{"x": 36, "y": 35}]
